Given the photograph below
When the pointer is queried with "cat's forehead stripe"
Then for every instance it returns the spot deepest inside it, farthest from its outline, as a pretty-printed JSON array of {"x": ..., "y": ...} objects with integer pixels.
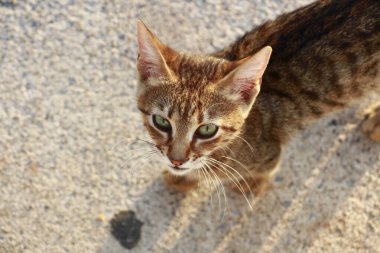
[
  {"x": 200, "y": 117},
  {"x": 187, "y": 108},
  {"x": 197, "y": 71}
]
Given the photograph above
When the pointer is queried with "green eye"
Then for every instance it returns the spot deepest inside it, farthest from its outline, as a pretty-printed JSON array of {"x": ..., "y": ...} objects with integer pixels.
[
  {"x": 161, "y": 123},
  {"x": 207, "y": 131}
]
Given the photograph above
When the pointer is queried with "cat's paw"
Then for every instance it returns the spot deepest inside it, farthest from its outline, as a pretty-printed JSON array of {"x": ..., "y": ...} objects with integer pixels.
[
  {"x": 371, "y": 123},
  {"x": 179, "y": 183},
  {"x": 258, "y": 185}
]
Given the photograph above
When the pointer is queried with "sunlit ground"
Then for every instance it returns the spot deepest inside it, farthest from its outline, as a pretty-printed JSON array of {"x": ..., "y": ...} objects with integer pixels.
[{"x": 68, "y": 125}]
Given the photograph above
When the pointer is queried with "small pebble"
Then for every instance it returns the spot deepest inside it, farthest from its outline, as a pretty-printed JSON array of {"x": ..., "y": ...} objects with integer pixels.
[{"x": 101, "y": 217}]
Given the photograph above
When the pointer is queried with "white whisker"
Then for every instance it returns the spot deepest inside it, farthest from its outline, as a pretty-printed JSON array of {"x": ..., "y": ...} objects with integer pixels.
[
  {"x": 229, "y": 149},
  {"x": 242, "y": 165},
  {"x": 138, "y": 157},
  {"x": 117, "y": 144},
  {"x": 216, "y": 187},
  {"x": 208, "y": 182},
  {"x": 238, "y": 183},
  {"x": 249, "y": 145},
  {"x": 222, "y": 189},
  {"x": 228, "y": 173},
  {"x": 224, "y": 164},
  {"x": 147, "y": 142}
]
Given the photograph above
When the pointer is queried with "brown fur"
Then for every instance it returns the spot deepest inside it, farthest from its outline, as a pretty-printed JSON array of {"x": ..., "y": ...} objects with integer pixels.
[
  {"x": 179, "y": 183},
  {"x": 325, "y": 55},
  {"x": 371, "y": 124}
]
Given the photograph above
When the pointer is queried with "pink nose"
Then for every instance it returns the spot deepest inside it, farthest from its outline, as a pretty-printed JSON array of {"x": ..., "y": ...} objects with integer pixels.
[{"x": 176, "y": 163}]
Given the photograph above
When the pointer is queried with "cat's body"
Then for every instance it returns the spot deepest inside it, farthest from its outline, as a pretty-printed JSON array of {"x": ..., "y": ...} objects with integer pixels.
[
  {"x": 319, "y": 65},
  {"x": 325, "y": 56}
]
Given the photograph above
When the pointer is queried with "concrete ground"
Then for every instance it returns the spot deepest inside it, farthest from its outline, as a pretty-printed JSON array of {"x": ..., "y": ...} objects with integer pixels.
[{"x": 68, "y": 123}]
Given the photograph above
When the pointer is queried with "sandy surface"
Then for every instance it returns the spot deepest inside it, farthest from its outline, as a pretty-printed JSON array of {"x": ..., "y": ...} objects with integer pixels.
[{"x": 68, "y": 123}]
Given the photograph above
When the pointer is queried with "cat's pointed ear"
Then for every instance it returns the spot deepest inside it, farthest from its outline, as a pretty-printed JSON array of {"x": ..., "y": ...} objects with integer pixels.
[
  {"x": 243, "y": 83},
  {"x": 151, "y": 62}
]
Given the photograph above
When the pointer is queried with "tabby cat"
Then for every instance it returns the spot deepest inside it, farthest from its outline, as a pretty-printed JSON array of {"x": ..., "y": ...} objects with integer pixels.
[{"x": 228, "y": 114}]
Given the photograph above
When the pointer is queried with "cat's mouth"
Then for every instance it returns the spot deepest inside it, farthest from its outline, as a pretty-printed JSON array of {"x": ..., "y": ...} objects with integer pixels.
[
  {"x": 178, "y": 171},
  {"x": 184, "y": 168},
  {"x": 178, "y": 168}
]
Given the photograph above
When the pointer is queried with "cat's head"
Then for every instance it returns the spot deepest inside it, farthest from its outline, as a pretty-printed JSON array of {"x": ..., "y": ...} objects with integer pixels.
[{"x": 193, "y": 106}]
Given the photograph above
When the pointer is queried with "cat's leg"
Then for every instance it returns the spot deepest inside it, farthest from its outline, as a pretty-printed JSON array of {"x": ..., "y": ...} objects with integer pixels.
[
  {"x": 256, "y": 185},
  {"x": 180, "y": 183},
  {"x": 371, "y": 123},
  {"x": 258, "y": 182}
]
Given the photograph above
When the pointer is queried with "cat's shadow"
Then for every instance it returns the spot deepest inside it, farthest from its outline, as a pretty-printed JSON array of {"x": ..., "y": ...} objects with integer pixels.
[{"x": 309, "y": 190}]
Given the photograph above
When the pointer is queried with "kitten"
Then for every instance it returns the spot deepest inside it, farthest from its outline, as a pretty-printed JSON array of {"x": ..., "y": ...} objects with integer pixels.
[{"x": 227, "y": 115}]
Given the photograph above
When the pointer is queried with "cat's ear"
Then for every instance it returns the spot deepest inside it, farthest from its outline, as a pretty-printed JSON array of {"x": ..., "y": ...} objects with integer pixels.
[
  {"x": 151, "y": 62},
  {"x": 243, "y": 83}
]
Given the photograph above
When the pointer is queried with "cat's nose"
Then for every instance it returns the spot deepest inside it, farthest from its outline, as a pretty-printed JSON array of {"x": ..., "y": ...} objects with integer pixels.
[{"x": 176, "y": 163}]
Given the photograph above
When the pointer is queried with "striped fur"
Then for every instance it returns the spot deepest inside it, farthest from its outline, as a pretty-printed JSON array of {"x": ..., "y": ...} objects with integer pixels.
[{"x": 325, "y": 56}]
